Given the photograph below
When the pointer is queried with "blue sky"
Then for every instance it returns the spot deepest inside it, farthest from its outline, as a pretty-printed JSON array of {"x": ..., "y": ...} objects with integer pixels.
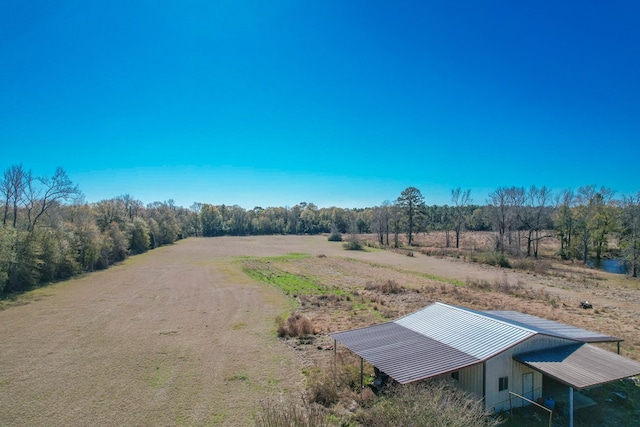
[{"x": 345, "y": 103}]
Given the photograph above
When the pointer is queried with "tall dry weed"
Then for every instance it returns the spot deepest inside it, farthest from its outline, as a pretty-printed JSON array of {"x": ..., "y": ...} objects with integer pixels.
[{"x": 296, "y": 325}]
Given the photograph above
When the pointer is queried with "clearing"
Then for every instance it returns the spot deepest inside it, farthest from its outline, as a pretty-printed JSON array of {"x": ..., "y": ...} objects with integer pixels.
[{"x": 181, "y": 336}]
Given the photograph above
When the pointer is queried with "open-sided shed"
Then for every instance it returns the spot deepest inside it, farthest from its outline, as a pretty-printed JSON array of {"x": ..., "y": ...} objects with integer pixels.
[{"x": 488, "y": 353}]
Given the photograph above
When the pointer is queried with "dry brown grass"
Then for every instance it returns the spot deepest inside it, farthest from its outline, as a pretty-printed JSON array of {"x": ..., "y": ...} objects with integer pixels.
[
  {"x": 388, "y": 287},
  {"x": 296, "y": 325},
  {"x": 542, "y": 288}
]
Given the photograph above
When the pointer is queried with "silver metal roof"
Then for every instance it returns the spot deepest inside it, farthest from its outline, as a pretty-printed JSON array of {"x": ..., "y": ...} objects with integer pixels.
[
  {"x": 434, "y": 340},
  {"x": 466, "y": 330},
  {"x": 549, "y": 327},
  {"x": 580, "y": 365},
  {"x": 441, "y": 338}
]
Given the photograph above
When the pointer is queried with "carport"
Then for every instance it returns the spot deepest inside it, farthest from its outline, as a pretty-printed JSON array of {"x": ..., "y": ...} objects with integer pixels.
[{"x": 579, "y": 366}]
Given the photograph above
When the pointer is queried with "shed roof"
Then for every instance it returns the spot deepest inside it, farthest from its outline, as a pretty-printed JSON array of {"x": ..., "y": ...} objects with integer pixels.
[
  {"x": 549, "y": 327},
  {"x": 441, "y": 338},
  {"x": 434, "y": 340},
  {"x": 580, "y": 365},
  {"x": 467, "y": 330},
  {"x": 400, "y": 352}
]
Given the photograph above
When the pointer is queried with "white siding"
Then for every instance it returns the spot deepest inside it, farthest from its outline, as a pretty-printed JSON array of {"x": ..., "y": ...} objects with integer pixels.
[
  {"x": 470, "y": 380},
  {"x": 503, "y": 365}
]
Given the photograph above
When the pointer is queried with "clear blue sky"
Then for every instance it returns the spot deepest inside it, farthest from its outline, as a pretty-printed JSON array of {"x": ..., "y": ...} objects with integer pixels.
[{"x": 345, "y": 103}]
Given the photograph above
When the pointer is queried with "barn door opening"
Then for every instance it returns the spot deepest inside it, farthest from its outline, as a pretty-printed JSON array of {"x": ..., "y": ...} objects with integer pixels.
[{"x": 527, "y": 385}]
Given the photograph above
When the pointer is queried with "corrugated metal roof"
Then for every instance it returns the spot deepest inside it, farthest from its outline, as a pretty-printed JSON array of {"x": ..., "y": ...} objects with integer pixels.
[
  {"x": 580, "y": 365},
  {"x": 468, "y": 331},
  {"x": 441, "y": 338},
  {"x": 549, "y": 327},
  {"x": 403, "y": 354},
  {"x": 435, "y": 340}
]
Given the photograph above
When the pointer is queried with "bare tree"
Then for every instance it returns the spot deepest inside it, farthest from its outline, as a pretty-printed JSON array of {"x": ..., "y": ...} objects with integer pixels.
[
  {"x": 46, "y": 193},
  {"x": 459, "y": 199},
  {"x": 515, "y": 207},
  {"x": 499, "y": 208},
  {"x": 381, "y": 222},
  {"x": 13, "y": 186},
  {"x": 131, "y": 205},
  {"x": 533, "y": 217}
]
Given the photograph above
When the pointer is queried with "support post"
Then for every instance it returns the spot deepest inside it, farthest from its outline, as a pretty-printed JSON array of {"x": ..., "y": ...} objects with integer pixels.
[
  {"x": 361, "y": 372},
  {"x": 618, "y": 347},
  {"x": 570, "y": 406}
]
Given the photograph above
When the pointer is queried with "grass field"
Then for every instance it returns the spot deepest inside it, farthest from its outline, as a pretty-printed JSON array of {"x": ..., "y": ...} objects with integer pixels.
[{"x": 186, "y": 334}]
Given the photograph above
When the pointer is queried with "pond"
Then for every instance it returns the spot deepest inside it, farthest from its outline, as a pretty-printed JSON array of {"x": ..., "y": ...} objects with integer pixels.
[{"x": 610, "y": 265}]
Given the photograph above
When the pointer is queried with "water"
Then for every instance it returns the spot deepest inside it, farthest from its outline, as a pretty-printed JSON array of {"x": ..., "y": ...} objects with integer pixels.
[{"x": 609, "y": 265}]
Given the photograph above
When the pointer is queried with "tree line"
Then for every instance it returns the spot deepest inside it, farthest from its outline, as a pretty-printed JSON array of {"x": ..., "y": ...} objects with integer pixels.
[{"x": 50, "y": 233}]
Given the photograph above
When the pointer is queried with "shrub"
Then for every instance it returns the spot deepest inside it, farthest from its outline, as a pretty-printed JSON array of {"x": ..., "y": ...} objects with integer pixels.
[
  {"x": 427, "y": 404},
  {"x": 335, "y": 237},
  {"x": 328, "y": 383},
  {"x": 353, "y": 245},
  {"x": 494, "y": 258},
  {"x": 290, "y": 413},
  {"x": 296, "y": 325}
]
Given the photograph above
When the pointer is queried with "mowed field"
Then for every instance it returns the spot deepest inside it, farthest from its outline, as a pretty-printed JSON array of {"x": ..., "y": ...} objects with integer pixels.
[
  {"x": 177, "y": 336},
  {"x": 181, "y": 336}
]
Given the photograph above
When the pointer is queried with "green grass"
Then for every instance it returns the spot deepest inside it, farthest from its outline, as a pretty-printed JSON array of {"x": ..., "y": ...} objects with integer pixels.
[
  {"x": 238, "y": 326},
  {"x": 238, "y": 377},
  {"x": 261, "y": 270}
]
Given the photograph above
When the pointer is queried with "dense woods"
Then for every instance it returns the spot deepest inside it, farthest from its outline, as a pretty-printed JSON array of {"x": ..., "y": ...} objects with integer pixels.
[{"x": 50, "y": 233}]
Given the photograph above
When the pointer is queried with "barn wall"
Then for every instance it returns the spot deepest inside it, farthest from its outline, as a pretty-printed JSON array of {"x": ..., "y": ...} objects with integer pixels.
[
  {"x": 468, "y": 379},
  {"x": 503, "y": 365},
  {"x": 471, "y": 379}
]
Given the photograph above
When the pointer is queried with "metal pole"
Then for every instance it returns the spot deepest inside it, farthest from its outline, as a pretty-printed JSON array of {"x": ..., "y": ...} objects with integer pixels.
[
  {"x": 618, "y": 347},
  {"x": 361, "y": 372},
  {"x": 570, "y": 406}
]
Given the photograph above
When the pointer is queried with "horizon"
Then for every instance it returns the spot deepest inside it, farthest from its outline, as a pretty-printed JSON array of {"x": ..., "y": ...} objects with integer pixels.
[{"x": 336, "y": 104}]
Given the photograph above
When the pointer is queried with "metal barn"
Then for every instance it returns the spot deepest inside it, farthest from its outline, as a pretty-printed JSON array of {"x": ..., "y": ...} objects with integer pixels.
[{"x": 491, "y": 354}]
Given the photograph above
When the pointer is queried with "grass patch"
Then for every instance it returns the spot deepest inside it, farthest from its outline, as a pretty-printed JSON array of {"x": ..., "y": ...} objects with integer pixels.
[
  {"x": 238, "y": 377},
  {"x": 289, "y": 256},
  {"x": 437, "y": 278},
  {"x": 291, "y": 284}
]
